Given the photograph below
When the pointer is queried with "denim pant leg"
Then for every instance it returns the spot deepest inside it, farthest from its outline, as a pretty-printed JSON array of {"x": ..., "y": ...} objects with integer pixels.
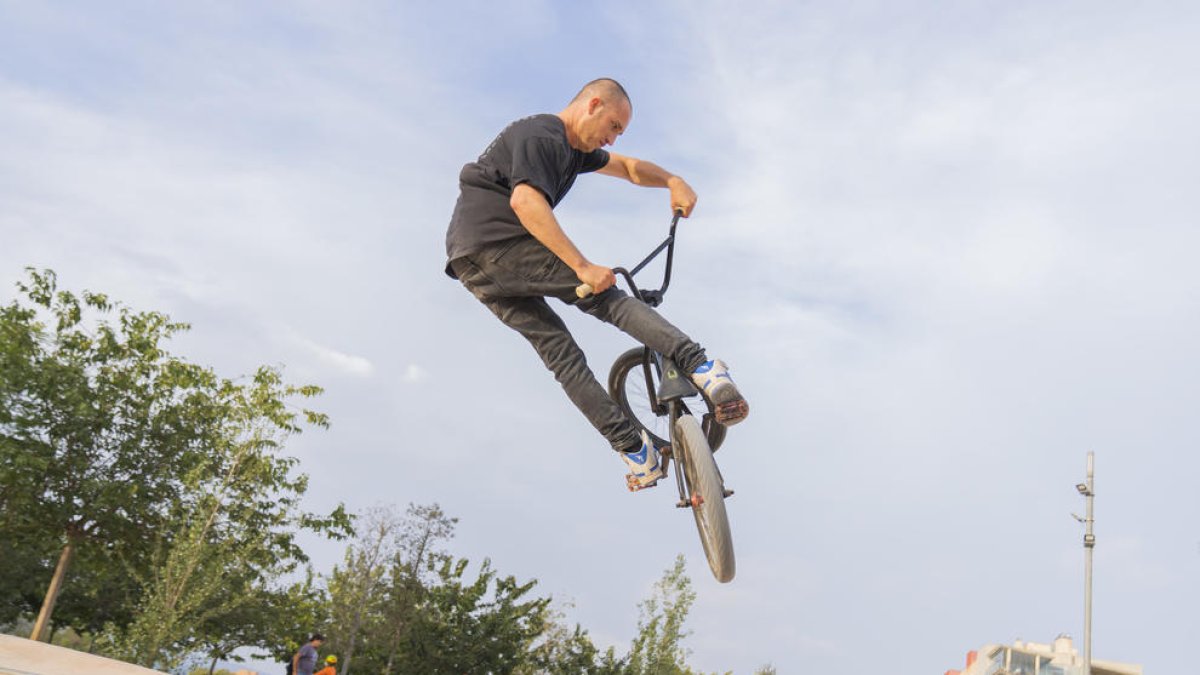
[
  {"x": 640, "y": 321},
  {"x": 513, "y": 279},
  {"x": 532, "y": 317},
  {"x": 542, "y": 273}
]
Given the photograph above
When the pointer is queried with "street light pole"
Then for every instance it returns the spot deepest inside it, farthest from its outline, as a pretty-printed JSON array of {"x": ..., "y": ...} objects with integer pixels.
[{"x": 1089, "y": 544}]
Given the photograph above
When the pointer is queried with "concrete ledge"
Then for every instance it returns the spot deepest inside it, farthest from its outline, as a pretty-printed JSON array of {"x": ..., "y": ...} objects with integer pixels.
[{"x": 19, "y": 656}]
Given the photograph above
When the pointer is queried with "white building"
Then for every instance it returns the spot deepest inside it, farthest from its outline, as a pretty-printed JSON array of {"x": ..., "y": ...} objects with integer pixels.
[{"x": 1031, "y": 658}]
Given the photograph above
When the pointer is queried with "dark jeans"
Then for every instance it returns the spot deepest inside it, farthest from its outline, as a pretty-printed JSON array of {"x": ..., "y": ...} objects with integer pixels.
[{"x": 514, "y": 278}]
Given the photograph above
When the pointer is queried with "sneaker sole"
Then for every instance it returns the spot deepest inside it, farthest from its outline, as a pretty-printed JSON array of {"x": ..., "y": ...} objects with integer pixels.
[
  {"x": 731, "y": 408},
  {"x": 730, "y": 413}
]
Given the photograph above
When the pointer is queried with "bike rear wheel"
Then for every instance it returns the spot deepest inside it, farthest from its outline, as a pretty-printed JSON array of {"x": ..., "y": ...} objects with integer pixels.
[
  {"x": 706, "y": 492},
  {"x": 628, "y": 386}
]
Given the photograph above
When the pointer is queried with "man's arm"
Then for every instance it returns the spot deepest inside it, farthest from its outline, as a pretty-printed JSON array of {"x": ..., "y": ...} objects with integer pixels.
[
  {"x": 535, "y": 214},
  {"x": 649, "y": 174}
]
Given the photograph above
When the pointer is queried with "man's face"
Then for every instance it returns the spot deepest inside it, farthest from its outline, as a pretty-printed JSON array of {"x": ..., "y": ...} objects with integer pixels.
[
  {"x": 605, "y": 121},
  {"x": 318, "y": 643}
]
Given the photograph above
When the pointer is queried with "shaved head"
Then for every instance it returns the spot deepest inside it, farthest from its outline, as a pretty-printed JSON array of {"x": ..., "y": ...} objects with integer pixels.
[
  {"x": 597, "y": 115},
  {"x": 604, "y": 88}
]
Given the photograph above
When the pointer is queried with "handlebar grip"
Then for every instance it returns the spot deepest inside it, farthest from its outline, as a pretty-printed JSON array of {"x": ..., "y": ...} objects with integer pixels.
[{"x": 583, "y": 290}]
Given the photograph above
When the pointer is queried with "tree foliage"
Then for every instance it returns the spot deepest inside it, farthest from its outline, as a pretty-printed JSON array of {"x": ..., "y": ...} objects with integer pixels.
[
  {"x": 481, "y": 626},
  {"x": 235, "y": 536},
  {"x": 358, "y": 583},
  {"x": 658, "y": 648},
  {"x": 158, "y": 494},
  {"x": 428, "y": 613},
  {"x": 97, "y": 424},
  {"x": 423, "y": 531},
  {"x": 562, "y": 649},
  {"x": 161, "y": 481},
  {"x": 382, "y": 579},
  {"x": 285, "y": 618}
]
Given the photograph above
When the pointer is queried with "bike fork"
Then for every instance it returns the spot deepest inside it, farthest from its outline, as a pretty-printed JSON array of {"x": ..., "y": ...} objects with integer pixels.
[
  {"x": 684, "y": 501},
  {"x": 673, "y": 388}
]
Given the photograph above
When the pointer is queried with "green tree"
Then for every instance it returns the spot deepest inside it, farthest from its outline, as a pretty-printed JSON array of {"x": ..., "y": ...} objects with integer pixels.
[
  {"x": 235, "y": 534},
  {"x": 110, "y": 450},
  {"x": 484, "y": 626},
  {"x": 272, "y": 624},
  {"x": 563, "y": 650},
  {"x": 288, "y": 617},
  {"x": 95, "y": 426},
  {"x": 380, "y": 583},
  {"x": 422, "y": 532},
  {"x": 220, "y": 636},
  {"x": 658, "y": 648},
  {"x": 357, "y": 585},
  {"x": 23, "y": 584}
]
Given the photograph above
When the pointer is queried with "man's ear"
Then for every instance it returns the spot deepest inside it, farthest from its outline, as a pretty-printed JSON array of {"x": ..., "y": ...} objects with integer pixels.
[{"x": 595, "y": 104}]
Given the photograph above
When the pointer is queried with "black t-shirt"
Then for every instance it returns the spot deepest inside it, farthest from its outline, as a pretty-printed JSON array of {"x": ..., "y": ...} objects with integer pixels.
[{"x": 532, "y": 150}]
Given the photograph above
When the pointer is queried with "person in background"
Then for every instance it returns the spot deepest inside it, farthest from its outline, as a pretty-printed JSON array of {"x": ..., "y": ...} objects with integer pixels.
[
  {"x": 304, "y": 661},
  {"x": 330, "y": 666}
]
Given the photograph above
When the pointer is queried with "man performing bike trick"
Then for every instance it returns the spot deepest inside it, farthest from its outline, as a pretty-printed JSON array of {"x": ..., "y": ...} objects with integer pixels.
[{"x": 505, "y": 245}]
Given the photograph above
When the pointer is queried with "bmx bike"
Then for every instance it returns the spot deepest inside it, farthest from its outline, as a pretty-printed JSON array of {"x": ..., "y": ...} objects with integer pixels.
[{"x": 651, "y": 390}]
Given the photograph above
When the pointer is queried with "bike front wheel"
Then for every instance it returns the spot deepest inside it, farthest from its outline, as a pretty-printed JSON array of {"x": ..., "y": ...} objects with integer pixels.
[
  {"x": 706, "y": 493},
  {"x": 630, "y": 387}
]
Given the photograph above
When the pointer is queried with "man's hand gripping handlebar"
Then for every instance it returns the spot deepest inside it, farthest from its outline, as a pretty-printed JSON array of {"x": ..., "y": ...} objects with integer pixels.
[
  {"x": 584, "y": 290},
  {"x": 594, "y": 277}
]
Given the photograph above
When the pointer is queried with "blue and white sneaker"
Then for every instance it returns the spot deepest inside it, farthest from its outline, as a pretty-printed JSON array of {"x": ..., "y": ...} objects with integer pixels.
[
  {"x": 713, "y": 380},
  {"x": 645, "y": 466}
]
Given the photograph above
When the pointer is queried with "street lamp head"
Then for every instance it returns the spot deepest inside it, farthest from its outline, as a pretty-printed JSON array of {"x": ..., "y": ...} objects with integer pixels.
[{"x": 1083, "y": 489}]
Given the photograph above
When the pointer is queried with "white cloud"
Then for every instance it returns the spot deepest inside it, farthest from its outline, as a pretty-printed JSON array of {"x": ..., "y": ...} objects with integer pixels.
[
  {"x": 339, "y": 361},
  {"x": 946, "y": 249}
]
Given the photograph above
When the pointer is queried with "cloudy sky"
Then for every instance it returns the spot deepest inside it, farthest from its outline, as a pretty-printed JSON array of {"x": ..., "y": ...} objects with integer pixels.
[{"x": 947, "y": 248}]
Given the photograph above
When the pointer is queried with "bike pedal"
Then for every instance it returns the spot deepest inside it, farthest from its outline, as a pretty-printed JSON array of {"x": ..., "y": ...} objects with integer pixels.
[
  {"x": 634, "y": 486},
  {"x": 732, "y": 412}
]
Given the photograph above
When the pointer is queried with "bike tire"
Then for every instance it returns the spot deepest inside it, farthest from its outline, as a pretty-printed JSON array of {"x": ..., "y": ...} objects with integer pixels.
[
  {"x": 706, "y": 491},
  {"x": 627, "y": 386}
]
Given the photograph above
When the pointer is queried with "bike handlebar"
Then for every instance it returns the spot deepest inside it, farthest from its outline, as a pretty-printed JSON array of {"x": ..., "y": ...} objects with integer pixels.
[{"x": 585, "y": 290}]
